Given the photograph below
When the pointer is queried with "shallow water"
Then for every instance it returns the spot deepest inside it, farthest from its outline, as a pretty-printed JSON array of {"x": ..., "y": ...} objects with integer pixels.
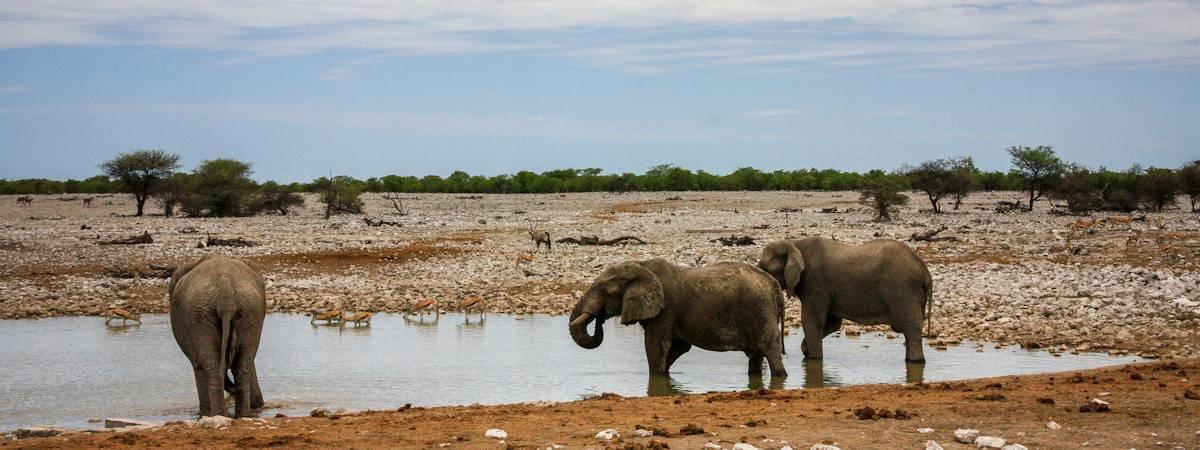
[{"x": 63, "y": 371}]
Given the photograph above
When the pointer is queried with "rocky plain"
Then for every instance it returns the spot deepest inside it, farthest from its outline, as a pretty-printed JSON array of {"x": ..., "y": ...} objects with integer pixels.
[{"x": 1027, "y": 278}]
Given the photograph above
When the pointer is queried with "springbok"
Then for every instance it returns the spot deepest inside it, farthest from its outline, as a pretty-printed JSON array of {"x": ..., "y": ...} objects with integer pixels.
[
  {"x": 123, "y": 314},
  {"x": 424, "y": 305},
  {"x": 25, "y": 201},
  {"x": 1083, "y": 225},
  {"x": 87, "y": 202},
  {"x": 359, "y": 318},
  {"x": 470, "y": 302},
  {"x": 523, "y": 258},
  {"x": 330, "y": 317}
]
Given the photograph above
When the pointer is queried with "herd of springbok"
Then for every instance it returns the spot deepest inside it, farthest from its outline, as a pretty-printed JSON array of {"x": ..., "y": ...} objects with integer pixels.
[
  {"x": 338, "y": 316},
  {"x": 1155, "y": 230}
]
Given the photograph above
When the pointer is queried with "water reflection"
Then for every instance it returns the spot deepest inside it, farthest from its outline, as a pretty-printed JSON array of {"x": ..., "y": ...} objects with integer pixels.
[
  {"x": 815, "y": 377},
  {"x": 914, "y": 372},
  {"x": 121, "y": 329},
  {"x": 660, "y": 385},
  {"x": 756, "y": 383}
]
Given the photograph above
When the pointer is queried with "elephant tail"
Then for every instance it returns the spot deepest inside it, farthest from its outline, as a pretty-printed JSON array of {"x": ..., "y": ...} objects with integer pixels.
[
  {"x": 226, "y": 329},
  {"x": 928, "y": 303},
  {"x": 781, "y": 300}
]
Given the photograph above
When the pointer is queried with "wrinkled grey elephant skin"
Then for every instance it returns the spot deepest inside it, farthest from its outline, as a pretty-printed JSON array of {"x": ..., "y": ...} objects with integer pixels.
[
  {"x": 725, "y": 306},
  {"x": 877, "y": 282},
  {"x": 217, "y": 309}
]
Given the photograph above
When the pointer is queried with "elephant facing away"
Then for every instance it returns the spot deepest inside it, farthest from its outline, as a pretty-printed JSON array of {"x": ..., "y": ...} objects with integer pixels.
[
  {"x": 725, "y": 306},
  {"x": 877, "y": 282},
  {"x": 217, "y": 309}
]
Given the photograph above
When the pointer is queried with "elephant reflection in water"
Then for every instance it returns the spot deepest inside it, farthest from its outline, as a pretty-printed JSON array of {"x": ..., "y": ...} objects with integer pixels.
[
  {"x": 815, "y": 376},
  {"x": 662, "y": 385}
]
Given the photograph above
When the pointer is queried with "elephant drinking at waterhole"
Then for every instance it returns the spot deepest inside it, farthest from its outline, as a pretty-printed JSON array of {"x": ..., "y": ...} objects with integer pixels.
[
  {"x": 725, "y": 306},
  {"x": 217, "y": 309},
  {"x": 877, "y": 282}
]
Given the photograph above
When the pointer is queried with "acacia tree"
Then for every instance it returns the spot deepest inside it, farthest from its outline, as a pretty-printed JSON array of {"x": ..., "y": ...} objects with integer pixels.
[
  {"x": 931, "y": 177},
  {"x": 221, "y": 187},
  {"x": 1038, "y": 166},
  {"x": 883, "y": 195},
  {"x": 173, "y": 191},
  {"x": 139, "y": 171},
  {"x": 1160, "y": 187},
  {"x": 1189, "y": 178},
  {"x": 962, "y": 180}
]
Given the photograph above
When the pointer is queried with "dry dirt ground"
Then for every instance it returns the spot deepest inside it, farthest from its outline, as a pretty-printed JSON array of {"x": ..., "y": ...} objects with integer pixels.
[
  {"x": 1152, "y": 405},
  {"x": 1026, "y": 278}
]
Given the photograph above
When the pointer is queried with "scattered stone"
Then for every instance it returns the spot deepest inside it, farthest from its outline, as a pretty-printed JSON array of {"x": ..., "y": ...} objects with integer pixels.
[
  {"x": 824, "y": 447},
  {"x": 690, "y": 429},
  {"x": 965, "y": 436},
  {"x": 496, "y": 433},
  {"x": 924, "y": 430},
  {"x": 1014, "y": 447},
  {"x": 933, "y": 445},
  {"x": 1095, "y": 406},
  {"x": 744, "y": 446},
  {"x": 122, "y": 423},
  {"x": 989, "y": 442},
  {"x": 36, "y": 432},
  {"x": 712, "y": 446},
  {"x": 322, "y": 413},
  {"x": 1053, "y": 425},
  {"x": 608, "y": 435},
  {"x": 642, "y": 432},
  {"x": 214, "y": 422}
]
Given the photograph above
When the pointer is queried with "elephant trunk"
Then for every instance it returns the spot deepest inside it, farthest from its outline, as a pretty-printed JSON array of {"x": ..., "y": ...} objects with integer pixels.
[{"x": 579, "y": 327}]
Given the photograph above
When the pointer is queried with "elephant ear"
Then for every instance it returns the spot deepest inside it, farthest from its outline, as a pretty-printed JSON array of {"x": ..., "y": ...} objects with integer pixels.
[
  {"x": 793, "y": 268},
  {"x": 643, "y": 297}
]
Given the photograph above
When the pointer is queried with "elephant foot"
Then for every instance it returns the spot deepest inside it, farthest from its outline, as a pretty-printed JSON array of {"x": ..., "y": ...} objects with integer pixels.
[
  {"x": 813, "y": 358},
  {"x": 915, "y": 361}
]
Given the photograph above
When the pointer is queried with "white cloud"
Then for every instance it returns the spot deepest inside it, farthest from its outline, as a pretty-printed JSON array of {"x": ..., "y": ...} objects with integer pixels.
[
  {"x": 647, "y": 36},
  {"x": 7, "y": 89}
]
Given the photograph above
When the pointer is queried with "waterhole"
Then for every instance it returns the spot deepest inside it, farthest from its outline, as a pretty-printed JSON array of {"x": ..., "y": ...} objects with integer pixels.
[{"x": 65, "y": 371}]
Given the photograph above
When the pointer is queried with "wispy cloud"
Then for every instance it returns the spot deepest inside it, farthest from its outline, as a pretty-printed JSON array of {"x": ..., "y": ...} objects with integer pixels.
[
  {"x": 7, "y": 89},
  {"x": 647, "y": 37}
]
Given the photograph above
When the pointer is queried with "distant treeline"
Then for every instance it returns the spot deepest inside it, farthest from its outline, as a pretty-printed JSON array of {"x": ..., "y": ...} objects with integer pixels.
[{"x": 657, "y": 178}]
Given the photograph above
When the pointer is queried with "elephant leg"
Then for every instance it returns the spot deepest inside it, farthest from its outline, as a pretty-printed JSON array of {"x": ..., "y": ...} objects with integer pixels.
[
  {"x": 202, "y": 390},
  {"x": 256, "y": 398},
  {"x": 914, "y": 351},
  {"x": 656, "y": 352},
  {"x": 814, "y": 325},
  {"x": 774, "y": 356},
  {"x": 678, "y": 348},
  {"x": 832, "y": 325},
  {"x": 756, "y": 364}
]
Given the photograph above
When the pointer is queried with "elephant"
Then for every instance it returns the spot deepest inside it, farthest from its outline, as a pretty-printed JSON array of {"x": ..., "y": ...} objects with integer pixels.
[
  {"x": 217, "y": 309},
  {"x": 877, "y": 282},
  {"x": 725, "y": 306}
]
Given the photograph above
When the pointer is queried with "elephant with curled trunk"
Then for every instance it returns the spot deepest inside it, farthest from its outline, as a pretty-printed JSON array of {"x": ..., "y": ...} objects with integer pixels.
[
  {"x": 877, "y": 282},
  {"x": 726, "y": 306},
  {"x": 217, "y": 309}
]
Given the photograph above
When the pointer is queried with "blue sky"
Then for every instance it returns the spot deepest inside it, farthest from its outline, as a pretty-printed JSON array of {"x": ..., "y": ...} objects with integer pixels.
[{"x": 371, "y": 88}]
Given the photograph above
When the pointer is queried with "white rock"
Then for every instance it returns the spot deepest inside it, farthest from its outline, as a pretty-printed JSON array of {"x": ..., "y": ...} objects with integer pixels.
[
  {"x": 744, "y": 446},
  {"x": 712, "y": 446},
  {"x": 989, "y": 442},
  {"x": 824, "y": 447},
  {"x": 642, "y": 432},
  {"x": 122, "y": 423},
  {"x": 1014, "y": 447},
  {"x": 214, "y": 422},
  {"x": 924, "y": 430},
  {"x": 966, "y": 436},
  {"x": 933, "y": 445},
  {"x": 1053, "y": 425},
  {"x": 496, "y": 433},
  {"x": 608, "y": 435},
  {"x": 788, "y": 447}
]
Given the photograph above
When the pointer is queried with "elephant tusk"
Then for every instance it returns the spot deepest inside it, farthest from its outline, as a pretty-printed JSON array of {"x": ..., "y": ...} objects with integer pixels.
[{"x": 582, "y": 320}]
